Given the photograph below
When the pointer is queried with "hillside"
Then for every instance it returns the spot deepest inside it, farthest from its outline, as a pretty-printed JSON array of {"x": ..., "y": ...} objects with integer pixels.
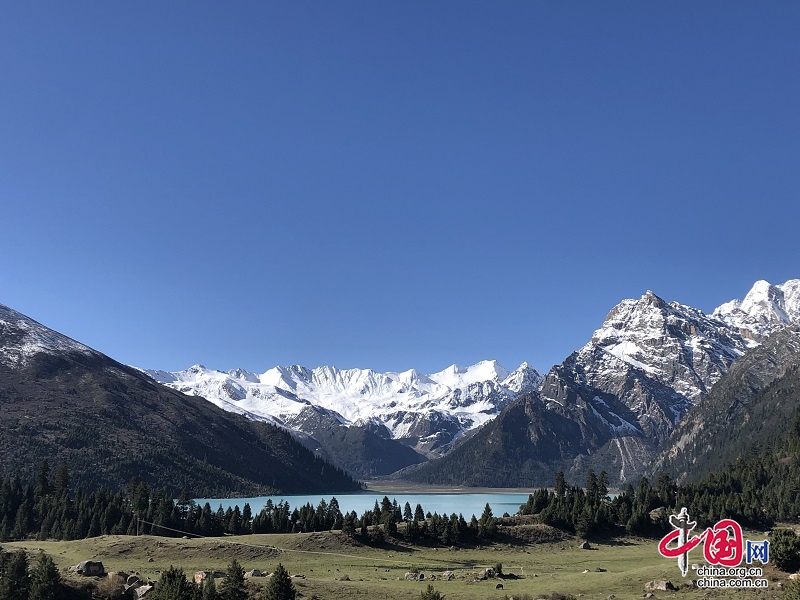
[
  {"x": 752, "y": 406},
  {"x": 65, "y": 402}
]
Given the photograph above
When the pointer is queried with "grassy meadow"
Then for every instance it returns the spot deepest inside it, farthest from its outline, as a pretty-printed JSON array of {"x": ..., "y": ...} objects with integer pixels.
[{"x": 335, "y": 567}]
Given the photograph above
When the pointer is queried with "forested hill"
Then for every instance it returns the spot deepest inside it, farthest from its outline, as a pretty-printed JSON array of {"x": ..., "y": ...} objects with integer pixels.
[{"x": 108, "y": 423}]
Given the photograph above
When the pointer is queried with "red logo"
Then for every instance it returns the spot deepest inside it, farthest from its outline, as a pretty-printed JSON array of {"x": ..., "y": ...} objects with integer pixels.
[{"x": 723, "y": 543}]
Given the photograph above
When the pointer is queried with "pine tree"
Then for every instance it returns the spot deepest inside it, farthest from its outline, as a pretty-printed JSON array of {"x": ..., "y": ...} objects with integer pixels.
[
  {"x": 173, "y": 585},
  {"x": 561, "y": 485},
  {"x": 209, "y": 589},
  {"x": 487, "y": 525},
  {"x": 45, "y": 579},
  {"x": 233, "y": 587},
  {"x": 15, "y": 584},
  {"x": 419, "y": 514},
  {"x": 349, "y": 525},
  {"x": 280, "y": 586}
]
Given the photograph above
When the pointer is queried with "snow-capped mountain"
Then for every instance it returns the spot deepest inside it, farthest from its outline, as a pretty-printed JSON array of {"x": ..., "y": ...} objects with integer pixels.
[
  {"x": 428, "y": 412},
  {"x": 660, "y": 358},
  {"x": 765, "y": 309},
  {"x": 639, "y": 374},
  {"x": 616, "y": 398},
  {"x": 611, "y": 403}
]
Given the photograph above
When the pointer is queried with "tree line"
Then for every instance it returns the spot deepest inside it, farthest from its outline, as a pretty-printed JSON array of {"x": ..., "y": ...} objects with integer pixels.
[
  {"x": 47, "y": 508},
  {"x": 758, "y": 489}
]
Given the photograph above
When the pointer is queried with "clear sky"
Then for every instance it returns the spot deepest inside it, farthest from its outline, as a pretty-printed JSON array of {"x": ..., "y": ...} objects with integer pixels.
[{"x": 389, "y": 185}]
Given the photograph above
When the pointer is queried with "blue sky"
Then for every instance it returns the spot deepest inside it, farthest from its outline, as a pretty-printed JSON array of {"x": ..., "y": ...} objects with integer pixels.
[{"x": 389, "y": 185}]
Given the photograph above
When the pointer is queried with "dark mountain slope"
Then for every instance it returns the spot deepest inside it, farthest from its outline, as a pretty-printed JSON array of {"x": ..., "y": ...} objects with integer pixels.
[
  {"x": 364, "y": 451},
  {"x": 64, "y": 402},
  {"x": 523, "y": 446},
  {"x": 753, "y": 405}
]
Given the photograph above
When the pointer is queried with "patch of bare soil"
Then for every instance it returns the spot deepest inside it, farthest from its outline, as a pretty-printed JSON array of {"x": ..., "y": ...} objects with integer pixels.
[{"x": 326, "y": 541}]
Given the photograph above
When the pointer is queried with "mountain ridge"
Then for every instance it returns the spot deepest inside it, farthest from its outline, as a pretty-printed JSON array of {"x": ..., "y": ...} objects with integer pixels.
[
  {"x": 62, "y": 401},
  {"x": 619, "y": 396},
  {"x": 622, "y": 394},
  {"x": 402, "y": 402}
]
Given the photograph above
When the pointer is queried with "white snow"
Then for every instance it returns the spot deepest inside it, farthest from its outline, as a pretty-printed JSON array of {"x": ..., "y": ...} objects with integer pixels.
[
  {"x": 34, "y": 338},
  {"x": 765, "y": 309},
  {"x": 471, "y": 395}
]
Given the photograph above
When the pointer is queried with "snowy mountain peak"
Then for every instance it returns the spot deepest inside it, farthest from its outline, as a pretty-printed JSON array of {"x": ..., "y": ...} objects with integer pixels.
[
  {"x": 242, "y": 374},
  {"x": 765, "y": 301},
  {"x": 407, "y": 404},
  {"x": 523, "y": 379},
  {"x": 675, "y": 345},
  {"x": 650, "y": 297},
  {"x": 791, "y": 299},
  {"x": 765, "y": 309},
  {"x": 456, "y": 376},
  {"x": 21, "y": 338}
]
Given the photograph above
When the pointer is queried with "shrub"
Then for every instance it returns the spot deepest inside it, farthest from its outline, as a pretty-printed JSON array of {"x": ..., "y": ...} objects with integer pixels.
[
  {"x": 431, "y": 594},
  {"x": 784, "y": 549}
]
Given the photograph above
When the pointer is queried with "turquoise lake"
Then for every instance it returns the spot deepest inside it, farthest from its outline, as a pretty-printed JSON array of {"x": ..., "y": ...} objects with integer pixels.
[{"x": 442, "y": 503}]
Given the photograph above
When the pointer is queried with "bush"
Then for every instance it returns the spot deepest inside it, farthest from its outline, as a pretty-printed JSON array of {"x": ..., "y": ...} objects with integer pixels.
[
  {"x": 431, "y": 594},
  {"x": 498, "y": 568},
  {"x": 377, "y": 536},
  {"x": 560, "y": 596},
  {"x": 784, "y": 550}
]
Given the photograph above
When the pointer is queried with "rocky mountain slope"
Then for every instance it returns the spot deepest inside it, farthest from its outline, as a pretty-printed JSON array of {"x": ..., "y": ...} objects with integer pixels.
[
  {"x": 65, "y": 402},
  {"x": 367, "y": 422},
  {"x": 613, "y": 402},
  {"x": 750, "y": 407}
]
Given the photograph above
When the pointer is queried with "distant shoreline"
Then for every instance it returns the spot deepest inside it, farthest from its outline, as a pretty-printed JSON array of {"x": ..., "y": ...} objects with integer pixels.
[{"x": 397, "y": 486}]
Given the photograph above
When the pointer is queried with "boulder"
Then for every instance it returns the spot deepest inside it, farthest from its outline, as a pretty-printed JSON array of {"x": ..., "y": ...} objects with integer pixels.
[
  {"x": 659, "y": 585},
  {"x": 254, "y": 573},
  {"x": 585, "y": 546},
  {"x": 448, "y": 576}
]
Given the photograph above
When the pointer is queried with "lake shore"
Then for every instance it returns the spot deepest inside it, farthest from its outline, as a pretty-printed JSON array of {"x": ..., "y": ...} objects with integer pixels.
[{"x": 397, "y": 486}]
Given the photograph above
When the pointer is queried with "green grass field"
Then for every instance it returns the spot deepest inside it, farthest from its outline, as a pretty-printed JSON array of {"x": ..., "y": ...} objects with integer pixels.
[{"x": 334, "y": 567}]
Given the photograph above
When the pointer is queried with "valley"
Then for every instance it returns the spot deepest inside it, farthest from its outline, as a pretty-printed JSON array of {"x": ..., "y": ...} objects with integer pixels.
[
  {"x": 609, "y": 406},
  {"x": 333, "y": 568}
]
